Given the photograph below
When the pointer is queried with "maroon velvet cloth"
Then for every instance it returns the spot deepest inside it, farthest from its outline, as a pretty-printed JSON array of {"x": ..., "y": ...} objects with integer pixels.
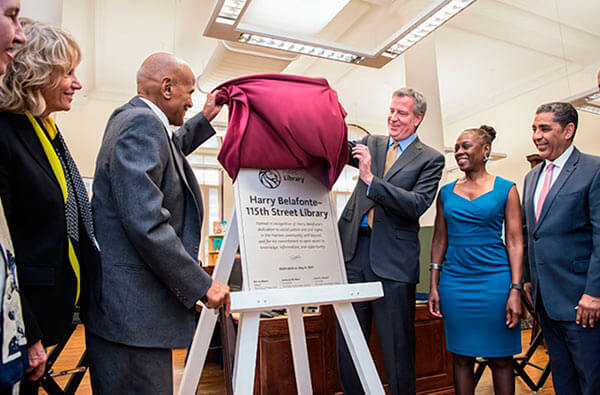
[{"x": 282, "y": 121}]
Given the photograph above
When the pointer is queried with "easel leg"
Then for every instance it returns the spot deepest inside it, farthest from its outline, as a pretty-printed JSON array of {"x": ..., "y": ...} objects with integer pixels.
[
  {"x": 299, "y": 350},
  {"x": 208, "y": 318},
  {"x": 235, "y": 354},
  {"x": 229, "y": 247},
  {"x": 245, "y": 353},
  {"x": 358, "y": 349},
  {"x": 198, "y": 351}
]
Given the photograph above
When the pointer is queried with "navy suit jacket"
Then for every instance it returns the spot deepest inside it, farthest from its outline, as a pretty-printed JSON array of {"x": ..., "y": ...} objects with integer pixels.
[{"x": 562, "y": 253}]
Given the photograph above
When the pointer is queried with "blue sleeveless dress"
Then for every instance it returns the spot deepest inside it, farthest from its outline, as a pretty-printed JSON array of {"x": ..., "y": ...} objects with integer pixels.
[{"x": 475, "y": 280}]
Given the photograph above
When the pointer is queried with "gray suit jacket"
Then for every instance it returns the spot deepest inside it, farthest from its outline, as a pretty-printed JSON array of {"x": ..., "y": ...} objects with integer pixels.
[
  {"x": 399, "y": 197},
  {"x": 562, "y": 255},
  {"x": 148, "y": 212}
]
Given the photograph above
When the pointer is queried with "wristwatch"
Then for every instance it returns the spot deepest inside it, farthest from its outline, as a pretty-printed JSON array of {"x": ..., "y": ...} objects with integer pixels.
[{"x": 516, "y": 286}]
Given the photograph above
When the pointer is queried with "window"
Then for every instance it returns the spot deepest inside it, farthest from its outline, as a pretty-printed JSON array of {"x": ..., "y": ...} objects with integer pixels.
[
  {"x": 208, "y": 173},
  {"x": 343, "y": 187}
]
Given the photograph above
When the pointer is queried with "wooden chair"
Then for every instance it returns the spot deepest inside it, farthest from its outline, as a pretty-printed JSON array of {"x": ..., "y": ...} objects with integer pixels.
[{"x": 47, "y": 381}]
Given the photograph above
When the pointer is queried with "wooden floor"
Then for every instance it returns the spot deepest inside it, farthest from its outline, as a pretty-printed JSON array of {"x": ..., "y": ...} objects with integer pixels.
[{"x": 212, "y": 381}]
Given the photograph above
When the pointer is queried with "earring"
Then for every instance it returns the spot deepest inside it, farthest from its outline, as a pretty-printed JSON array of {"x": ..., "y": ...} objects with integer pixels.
[{"x": 486, "y": 158}]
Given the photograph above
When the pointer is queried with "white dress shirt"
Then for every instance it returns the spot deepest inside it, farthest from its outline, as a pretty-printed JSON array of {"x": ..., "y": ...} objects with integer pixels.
[
  {"x": 161, "y": 115},
  {"x": 559, "y": 163}
]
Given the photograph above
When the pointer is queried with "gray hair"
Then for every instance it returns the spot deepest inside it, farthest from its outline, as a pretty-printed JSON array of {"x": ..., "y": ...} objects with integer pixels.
[
  {"x": 40, "y": 63},
  {"x": 564, "y": 113},
  {"x": 420, "y": 105}
]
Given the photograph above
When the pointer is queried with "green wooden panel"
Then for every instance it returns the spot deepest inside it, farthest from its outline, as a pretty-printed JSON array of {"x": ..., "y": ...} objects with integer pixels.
[{"x": 425, "y": 237}]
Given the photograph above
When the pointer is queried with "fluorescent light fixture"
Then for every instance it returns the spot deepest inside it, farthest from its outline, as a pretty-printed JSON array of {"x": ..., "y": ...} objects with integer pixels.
[
  {"x": 592, "y": 109},
  {"x": 295, "y": 25},
  {"x": 225, "y": 21},
  {"x": 592, "y": 97},
  {"x": 415, "y": 33},
  {"x": 230, "y": 11},
  {"x": 303, "y": 17},
  {"x": 588, "y": 101},
  {"x": 299, "y": 48}
]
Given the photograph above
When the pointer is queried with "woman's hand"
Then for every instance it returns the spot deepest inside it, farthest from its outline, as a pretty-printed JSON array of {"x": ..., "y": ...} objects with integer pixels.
[
  {"x": 434, "y": 303},
  {"x": 513, "y": 308}
]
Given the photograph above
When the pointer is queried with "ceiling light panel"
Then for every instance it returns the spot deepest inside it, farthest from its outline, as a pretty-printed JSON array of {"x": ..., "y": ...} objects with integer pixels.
[
  {"x": 416, "y": 33},
  {"x": 592, "y": 109},
  {"x": 303, "y": 17},
  {"x": 588, "y": 101},
  {"x": 230, "y": 11},
  {"x": 593, "y": 98},
  {"x": 299, "y": 48},
  {"x": 370, "y": 33}
]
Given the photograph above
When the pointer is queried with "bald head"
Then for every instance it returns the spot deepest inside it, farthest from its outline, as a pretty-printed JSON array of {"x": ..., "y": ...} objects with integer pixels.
[
  {"x": 168, "y": 82},
  {"x": 159, "y": 67}
]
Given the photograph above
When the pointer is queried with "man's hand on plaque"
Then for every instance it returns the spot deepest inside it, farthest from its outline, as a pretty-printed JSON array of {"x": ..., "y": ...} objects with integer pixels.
[{"x": 217, "y": 296}]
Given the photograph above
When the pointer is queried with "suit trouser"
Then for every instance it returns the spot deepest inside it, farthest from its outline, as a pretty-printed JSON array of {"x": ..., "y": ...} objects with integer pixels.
[
  {"x": 29, "y": 387},
  {"x": 120, "y": 369},
  {"x": 574, "y": 354},
  {"x": 394, "y": 318}
]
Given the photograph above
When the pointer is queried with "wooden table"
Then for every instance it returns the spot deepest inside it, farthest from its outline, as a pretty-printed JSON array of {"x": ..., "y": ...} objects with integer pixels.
[{"x": 275, "y": 372}]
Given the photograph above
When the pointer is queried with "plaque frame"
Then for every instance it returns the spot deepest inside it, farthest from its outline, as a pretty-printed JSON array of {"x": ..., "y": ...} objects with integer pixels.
[{"x": 249, "y": 303}]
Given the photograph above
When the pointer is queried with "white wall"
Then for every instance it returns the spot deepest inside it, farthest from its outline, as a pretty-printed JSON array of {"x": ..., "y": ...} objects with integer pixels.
[
  {"x": 83, "y": 128},
  {"x": 513, "y": 118}
]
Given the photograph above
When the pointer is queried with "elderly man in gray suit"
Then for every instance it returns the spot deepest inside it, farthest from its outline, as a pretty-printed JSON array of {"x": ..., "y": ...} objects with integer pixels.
[
  {"x": 561, "y": 211},
  {"x": 379, "y": 228},
  {"x": 148, "y": 212}
]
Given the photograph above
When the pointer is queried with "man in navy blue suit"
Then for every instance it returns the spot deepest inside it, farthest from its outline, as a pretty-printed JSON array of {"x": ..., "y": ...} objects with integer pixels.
[{"x": 561, "y": 211}]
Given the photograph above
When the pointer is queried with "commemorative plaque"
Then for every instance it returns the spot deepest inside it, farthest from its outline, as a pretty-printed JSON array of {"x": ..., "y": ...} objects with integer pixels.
[{"x": 289, "y": 234}]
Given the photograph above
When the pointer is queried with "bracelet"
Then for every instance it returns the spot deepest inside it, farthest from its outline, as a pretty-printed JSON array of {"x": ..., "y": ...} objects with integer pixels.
[
  {"x": 435, "y": 266},
  {"x": 516, "y": 286}
]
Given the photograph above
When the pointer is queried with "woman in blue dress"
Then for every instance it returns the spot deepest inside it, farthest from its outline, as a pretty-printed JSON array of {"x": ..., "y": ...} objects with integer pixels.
[{"x": 476, "y": 277}]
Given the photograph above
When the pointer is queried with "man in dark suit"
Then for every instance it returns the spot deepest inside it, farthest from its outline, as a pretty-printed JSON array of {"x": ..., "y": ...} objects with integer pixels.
[
  {"x": 148, "y": 211},
  {"x": 561, "y": 211},
  {"x": 379, "y": 228}
]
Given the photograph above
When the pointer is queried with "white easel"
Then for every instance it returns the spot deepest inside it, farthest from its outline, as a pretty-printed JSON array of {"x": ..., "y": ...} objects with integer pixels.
[{"x": 249, "y": 303}]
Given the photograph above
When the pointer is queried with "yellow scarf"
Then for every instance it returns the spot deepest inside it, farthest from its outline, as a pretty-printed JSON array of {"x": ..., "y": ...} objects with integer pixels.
[{"x": 60, "y": 177}]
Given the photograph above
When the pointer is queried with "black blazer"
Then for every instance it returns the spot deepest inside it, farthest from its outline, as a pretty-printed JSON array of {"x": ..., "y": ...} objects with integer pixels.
[
  {"x": 399, "y": 197},
  {"x": 35, "y": 214}
]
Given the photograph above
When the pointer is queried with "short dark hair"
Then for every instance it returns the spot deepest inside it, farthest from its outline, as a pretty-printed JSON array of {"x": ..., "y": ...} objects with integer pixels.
[{"x": 564, "y": 113}]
